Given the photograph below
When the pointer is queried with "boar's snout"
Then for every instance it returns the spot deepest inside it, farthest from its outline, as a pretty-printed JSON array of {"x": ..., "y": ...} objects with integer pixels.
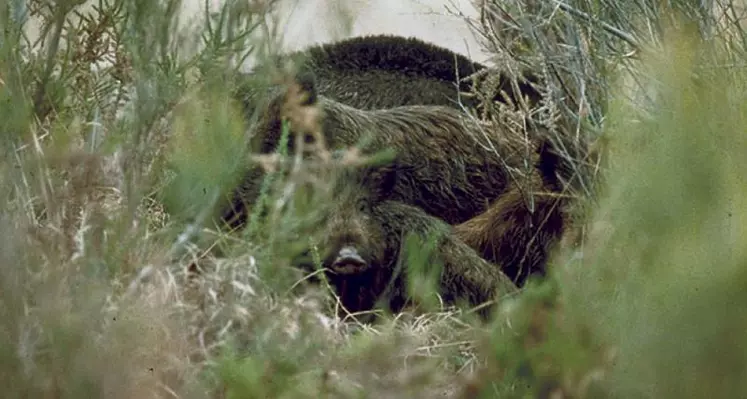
[{"x": 348, "y": 261}]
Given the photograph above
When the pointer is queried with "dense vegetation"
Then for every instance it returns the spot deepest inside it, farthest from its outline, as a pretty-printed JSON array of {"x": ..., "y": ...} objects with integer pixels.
[{"x": 115, "y": 115}]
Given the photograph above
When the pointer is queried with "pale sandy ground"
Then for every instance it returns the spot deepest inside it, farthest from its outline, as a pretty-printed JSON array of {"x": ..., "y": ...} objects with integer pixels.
[
  {"x": 306, "y": 22},
  {"x": 313, "y": 21}
]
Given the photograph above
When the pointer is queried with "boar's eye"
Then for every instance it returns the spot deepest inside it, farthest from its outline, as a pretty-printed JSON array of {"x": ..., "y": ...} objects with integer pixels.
[
  {"x": 363, "y": 206},
  {"x": 308, "y": 138}
]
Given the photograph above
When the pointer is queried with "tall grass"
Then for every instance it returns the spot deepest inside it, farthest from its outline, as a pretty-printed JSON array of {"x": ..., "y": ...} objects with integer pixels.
[
  {"x": 670, "y": 260},
  {"x": 97, "y": 294}
]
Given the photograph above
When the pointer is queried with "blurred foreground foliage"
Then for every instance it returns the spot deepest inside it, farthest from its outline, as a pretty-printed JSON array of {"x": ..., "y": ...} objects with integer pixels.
[{"x": 123, "y": 106}]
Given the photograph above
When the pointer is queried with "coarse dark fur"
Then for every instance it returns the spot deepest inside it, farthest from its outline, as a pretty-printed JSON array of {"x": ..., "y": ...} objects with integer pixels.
[
  {"x": 372, "y": 72},
  {"x": 384, "y": 71},
  {"x": 454, "y": 169},
  {"x": 521, "y": 227},
  {"x": 446, "y": 163},
  {"x": 366, "y": 260}
]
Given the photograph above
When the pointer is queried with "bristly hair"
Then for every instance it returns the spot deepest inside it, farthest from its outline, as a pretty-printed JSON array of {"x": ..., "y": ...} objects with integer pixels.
[{"x": 407, "y": 56}]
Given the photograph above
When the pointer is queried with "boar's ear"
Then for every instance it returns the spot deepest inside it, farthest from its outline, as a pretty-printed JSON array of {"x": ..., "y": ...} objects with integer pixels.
[
  {"x": 300, "y": 106},
  {"x": 548, "y": 163},
  {"x": 306, "y": 81}
]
